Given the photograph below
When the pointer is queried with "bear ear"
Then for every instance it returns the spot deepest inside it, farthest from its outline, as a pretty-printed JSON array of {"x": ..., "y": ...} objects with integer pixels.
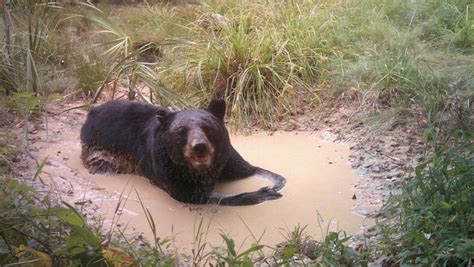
[
  {"x": 162, "y": 113},
  {"x": 217, "y": 108}
]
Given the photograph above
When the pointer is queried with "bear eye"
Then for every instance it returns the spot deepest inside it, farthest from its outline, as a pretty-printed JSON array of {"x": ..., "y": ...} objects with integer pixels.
[
  {"x": 209, "y": 130},
  {"x": 205, "y": 128},
  {"x": 182, "y": 131}
]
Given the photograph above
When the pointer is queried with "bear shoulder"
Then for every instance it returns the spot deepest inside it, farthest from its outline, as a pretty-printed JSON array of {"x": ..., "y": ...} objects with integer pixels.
[{"x": 119, "y": 125}]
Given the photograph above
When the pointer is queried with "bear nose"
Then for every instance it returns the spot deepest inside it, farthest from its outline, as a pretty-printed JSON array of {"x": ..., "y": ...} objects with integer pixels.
[{"x": 200, "y": 148}]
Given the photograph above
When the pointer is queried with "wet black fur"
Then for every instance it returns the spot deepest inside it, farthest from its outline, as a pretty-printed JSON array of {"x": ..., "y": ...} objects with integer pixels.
[{"x": 155, "y": 138}]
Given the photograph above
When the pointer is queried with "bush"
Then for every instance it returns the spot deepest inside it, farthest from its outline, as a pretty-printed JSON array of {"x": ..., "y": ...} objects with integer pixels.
[
  {"x": 32, "y": 228},
  {"x": 432, "y": 221}
]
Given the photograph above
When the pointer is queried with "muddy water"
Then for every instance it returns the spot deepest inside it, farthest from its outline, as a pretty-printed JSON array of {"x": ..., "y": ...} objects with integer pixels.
[{"x": 319, "y": 183}]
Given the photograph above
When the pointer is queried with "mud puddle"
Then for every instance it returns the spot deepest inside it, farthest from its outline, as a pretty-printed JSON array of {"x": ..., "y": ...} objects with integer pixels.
[{"x": 319, "y": 183}]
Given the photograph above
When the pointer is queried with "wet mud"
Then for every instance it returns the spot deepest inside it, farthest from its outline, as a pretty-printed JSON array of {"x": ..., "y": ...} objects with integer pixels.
[{"x": 319, "y": 192}]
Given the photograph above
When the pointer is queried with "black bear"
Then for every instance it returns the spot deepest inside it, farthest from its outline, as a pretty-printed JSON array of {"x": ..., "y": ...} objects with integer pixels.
[{"x": 185, "y": 153}]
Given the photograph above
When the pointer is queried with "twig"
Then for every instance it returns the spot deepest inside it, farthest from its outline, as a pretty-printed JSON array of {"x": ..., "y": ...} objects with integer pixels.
[
  {"x": 76, "y": 107},
  {"x": 22, "y": 263},
  {"x": 394, "y": 158},
  {"x": 27, "y": 151},
  {"x": 46, "y": 125}
]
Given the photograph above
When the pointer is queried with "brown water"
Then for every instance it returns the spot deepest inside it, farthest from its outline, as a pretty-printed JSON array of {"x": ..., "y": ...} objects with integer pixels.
[{"x": 319, "y": 181}]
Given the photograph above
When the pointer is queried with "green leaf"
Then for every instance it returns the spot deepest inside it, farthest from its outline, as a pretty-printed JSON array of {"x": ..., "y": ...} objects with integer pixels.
[
  {"x": 250, "y": 250},
  {"x": 289, "y": 252},
  {"x": 420, "y": 238},
  {"x": 69, "y": 216},
  {"x": 230, "y": 245},
  {"x": 82, "y": 240},
  {"x": 445, "y": 205}
]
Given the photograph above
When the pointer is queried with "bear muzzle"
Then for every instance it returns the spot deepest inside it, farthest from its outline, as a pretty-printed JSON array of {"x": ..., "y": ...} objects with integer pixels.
[{"x": 199, "y": 152}]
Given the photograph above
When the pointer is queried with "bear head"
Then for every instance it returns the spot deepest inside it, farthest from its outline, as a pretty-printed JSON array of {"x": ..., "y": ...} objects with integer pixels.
[{"x": 197, "y": 139}]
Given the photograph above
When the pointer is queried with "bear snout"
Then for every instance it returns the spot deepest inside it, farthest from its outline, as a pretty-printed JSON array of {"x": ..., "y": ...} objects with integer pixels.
[
  {"x": 199, "y": 152},
  {"x": 200, "y": 147}
]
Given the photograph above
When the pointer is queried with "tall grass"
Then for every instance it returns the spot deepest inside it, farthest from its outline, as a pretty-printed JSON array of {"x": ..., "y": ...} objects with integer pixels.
[
  {"x": 25, "y": 61},
  {"x": 242, "y": 58},
  {"x": 270, "y": 60},
  {"x": 125, "y": 65},
  {"x": 25, "y": 27}
]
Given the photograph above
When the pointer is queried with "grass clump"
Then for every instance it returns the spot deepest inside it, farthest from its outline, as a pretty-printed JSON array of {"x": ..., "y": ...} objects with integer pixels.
[
  {"x": 244, "y": 58},
  {"x": 300, "y": 249},
  {"x": 447, "y": 24},
  {"x": 91, "y": 73},
  {"x": 228, "y": 256},
  {"x": 25, "y": 60},
  {"x": 432, "y": 221},
  {"x": 384, "y": 53}
]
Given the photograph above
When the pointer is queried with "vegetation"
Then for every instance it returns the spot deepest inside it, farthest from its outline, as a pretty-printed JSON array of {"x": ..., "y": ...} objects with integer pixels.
[
  {"x": 34, "y": 231},
  {"x": 271, "y": 60},
  {"x": 431, "y": 221}
]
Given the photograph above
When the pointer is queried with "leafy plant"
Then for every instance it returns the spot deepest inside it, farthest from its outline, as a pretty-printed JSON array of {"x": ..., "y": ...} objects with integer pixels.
[
  {"x": 82, "y": 245},
  {"x": 432, "y": 220},
  {"x": 30, "y": 225},
  {"x": 332, "y": 250},
  {"x": 230, "y": 257}
]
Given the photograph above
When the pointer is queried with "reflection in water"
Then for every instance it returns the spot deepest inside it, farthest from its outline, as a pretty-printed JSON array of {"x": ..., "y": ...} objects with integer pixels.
[{"x": 319, "y": 181}]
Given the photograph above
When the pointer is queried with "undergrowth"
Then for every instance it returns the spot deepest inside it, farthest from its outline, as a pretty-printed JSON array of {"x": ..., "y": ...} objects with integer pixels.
[
  {"x": 432, "y": 220},
  {"x": 33, "y": 230}
]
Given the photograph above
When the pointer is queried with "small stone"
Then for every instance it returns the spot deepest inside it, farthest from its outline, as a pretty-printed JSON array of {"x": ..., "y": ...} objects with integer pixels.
[
  {"x": 368, "y": 165},
  {"x": 394, "y": 144},
  {"x": 376, "y": 169}
]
